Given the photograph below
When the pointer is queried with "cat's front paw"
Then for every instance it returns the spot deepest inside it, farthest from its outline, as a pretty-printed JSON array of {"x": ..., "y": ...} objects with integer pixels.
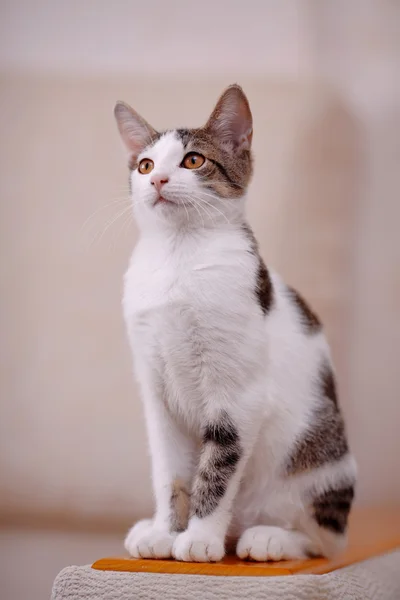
[
  {"x": 146, "y": 541},
  {"x": 195, "y": 547}
]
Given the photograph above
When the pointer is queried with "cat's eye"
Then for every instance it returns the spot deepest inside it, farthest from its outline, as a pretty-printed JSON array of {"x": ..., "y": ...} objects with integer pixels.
[
  {"x": 193, "y": 160},
  {"x": 145, "y": 166}
]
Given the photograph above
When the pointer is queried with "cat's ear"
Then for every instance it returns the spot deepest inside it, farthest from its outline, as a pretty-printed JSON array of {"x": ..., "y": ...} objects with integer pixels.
[
  {"x": 231, "y": 119},
  {"x": 135, "y": 131}
]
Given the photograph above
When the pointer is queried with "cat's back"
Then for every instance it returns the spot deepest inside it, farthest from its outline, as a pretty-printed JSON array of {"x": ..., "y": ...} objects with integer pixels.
[{"x": 297, "y": 350}]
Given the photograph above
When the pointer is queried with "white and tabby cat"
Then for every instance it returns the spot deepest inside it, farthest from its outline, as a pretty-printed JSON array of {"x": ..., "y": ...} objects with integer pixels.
[{"x": 247, "y": 440}]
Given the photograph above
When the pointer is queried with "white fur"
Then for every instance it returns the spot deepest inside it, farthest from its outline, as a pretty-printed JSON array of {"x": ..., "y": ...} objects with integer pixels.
[
  {"x": 272, "y": 543},
  {"x": 189, "y": 290},
  {"x": 145, "y": 541}
]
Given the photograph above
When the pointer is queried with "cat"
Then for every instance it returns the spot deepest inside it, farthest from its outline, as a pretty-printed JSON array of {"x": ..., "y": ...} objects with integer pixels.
[{"x": 247, "y": 440}]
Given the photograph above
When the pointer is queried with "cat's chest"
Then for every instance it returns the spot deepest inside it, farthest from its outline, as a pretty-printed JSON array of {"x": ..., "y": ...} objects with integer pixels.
[
  {"x": 186, "y": 309},
  {"x": 184, "y": 314},
  {"x": 202, "y": 279},
  {"x": 158, "y": 286}
]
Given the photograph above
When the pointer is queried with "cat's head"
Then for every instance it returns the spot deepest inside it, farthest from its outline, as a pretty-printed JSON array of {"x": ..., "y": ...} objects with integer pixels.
[{"x": 196, "y": 177}]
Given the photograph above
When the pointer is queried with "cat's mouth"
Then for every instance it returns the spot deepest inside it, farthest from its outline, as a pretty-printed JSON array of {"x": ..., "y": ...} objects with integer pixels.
[{"x": 162, "y": 200}]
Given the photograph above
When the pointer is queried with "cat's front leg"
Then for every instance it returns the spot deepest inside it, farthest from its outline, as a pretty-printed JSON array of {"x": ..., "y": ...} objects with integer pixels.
[
  {"x": 226, "y": 447},
  {"x": 173, "y": 456}
]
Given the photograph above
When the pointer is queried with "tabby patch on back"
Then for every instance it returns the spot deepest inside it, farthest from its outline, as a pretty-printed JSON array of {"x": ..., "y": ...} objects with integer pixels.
[{"x": 244, "y": 424}]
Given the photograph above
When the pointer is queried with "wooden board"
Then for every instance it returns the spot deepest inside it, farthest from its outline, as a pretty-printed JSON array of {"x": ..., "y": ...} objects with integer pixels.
[{"x": 371, "y": 532}]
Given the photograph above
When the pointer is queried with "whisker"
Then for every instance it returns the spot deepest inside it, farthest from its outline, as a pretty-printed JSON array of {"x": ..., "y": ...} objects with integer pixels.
[
  {"x": 202, "y": 200},
  {"x": 119, "y": 234},
  {"x": 128, "y": 221},
  {"x": 211, "y": 195},
  {"x": 192, "y": 203},
  {"x": 187, "y": 213},
  {"x": 123, "y": 212},
  {"x": 203, "y": 206},
  {"x": 112, "y": 203}
]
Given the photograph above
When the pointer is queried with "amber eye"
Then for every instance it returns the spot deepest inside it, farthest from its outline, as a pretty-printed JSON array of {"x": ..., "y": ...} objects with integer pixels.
[
  {"x": 145, "y": 166},
  {"x": 193, "y": 161}
]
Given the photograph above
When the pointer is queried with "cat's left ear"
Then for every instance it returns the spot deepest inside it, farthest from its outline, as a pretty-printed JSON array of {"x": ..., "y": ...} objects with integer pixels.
[
  {"x": 135, "y": 131},
  {"x": 231, "y": 120}
]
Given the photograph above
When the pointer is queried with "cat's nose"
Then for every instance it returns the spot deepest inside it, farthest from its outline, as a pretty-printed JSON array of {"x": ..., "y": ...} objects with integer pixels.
[{"x": 158, "y": 181}]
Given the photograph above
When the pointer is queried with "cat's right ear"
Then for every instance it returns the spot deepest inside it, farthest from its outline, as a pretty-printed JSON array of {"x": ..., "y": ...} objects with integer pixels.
[{"x": 135, "y": 131}]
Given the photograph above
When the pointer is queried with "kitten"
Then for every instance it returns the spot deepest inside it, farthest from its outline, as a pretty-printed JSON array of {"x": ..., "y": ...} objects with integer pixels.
[{"x": 247, "y": 440}]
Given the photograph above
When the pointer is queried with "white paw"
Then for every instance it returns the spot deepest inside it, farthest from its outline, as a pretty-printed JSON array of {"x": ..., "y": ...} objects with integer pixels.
[
  {"x": 264, "y": 543},
  {"x": 194, "y": 547},
  {"x": 145, "y": 541}
]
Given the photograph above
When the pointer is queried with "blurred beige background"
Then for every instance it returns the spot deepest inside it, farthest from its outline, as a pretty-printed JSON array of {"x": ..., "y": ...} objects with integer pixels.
[{"x": 324, "y": 85}]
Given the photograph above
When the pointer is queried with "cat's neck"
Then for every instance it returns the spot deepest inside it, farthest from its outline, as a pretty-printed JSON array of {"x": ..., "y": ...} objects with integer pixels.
[
  {"x": 175, "y": 249},
  {"x": 187, "y": 232},
  {"x": 194, "y": 222}
]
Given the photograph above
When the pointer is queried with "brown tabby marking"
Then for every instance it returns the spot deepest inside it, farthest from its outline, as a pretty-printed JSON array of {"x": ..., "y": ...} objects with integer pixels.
[
  {"x": 323, "y": 442},
  {"x": 331, "y": 509},
  {"x": 309, "y": 319},
  {"x": 225, "y": 172},
  {"x": 180, "y": 506},
  {"x": 329, "y": 383},
  {"x": 325, "y": 439},
  {"x": 220, "y": 454},
  {"x": 251, "y": 238},
  {"x": 264, "y": 289},
  {"x": 133, "y": 162}
]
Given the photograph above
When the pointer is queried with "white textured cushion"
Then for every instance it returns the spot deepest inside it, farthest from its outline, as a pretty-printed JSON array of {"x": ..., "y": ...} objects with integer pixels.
[{"x": 375, "y": 579}]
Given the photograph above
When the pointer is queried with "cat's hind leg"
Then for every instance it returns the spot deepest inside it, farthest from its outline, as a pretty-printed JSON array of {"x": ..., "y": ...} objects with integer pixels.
[
  {"x": 264, "y": 542},
  {"x": 319, "y": 529}
]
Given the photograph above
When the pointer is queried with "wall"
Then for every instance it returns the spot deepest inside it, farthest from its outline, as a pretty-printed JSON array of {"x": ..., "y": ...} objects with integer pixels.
[
  {"x": 128, "y": 37},
  {"x": 323, "y": 204},
  {"x": 359, "y": 52}
]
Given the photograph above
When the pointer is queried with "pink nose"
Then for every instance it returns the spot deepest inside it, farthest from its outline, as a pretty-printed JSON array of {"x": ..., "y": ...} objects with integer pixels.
[{"x": 158, "y": 181}]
